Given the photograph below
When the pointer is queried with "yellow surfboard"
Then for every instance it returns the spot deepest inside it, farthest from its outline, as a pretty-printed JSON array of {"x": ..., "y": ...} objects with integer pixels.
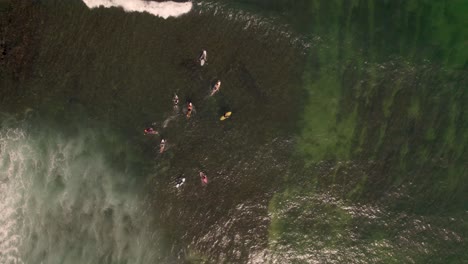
[{"x": 225, "y": 116}]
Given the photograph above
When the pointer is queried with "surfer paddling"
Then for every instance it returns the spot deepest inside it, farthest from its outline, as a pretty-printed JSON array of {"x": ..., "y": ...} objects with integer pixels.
[
  {"x": 203, "y": 178},
  {"x": 180, "y": 181},
  {"x": 216, "y": 88},
  {"x": 150, "y": 131},
  {"x": 162, "y": 145},
  {"x": 203, "y": 58},
  {"x": 189, "y": 109},
  {"x": 225, "y": 116}
]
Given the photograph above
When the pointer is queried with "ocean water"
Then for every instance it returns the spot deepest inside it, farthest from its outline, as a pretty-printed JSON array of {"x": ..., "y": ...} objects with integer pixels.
[{"x": 347, "y": 143}]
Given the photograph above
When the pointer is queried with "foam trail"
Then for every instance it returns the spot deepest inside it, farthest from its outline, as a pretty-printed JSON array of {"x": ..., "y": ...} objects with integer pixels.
[
  {"x": 160, "y": 9},
  {"x": 169, "y": 119}
]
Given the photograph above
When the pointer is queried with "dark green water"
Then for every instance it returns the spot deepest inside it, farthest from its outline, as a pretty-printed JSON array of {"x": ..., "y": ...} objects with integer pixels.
[{"x": 347, "y": 144}]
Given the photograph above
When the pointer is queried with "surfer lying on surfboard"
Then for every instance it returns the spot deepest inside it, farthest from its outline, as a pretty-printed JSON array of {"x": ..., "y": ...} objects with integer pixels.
[
  {"x": 203, "y": 58},
  {"x": 215, "y": 88},
  {"x": 189, "y": 109},
  {"x": 162, "y": 145},
  {"x": 150, "y": 131},
  {"x": 225, "y": 116},
  {"x": 179, "y": 182},
  {"x": 203, "y": 178}
]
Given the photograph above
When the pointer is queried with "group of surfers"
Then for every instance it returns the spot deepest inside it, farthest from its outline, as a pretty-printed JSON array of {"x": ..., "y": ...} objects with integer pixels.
[{"x": 203, "y": 58}]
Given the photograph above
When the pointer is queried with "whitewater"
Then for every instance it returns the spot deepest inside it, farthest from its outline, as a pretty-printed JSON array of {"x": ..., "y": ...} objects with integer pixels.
[
  {"x": 160, "y": 9},
  {"x": 63, "y": 201}
]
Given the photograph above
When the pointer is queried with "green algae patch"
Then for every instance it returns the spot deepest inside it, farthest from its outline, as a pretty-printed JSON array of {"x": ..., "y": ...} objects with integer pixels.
[
  {"x": 377, "y": 95},
  {"x": 326, "y": 134},
  {"x": 413, "y": 110}
]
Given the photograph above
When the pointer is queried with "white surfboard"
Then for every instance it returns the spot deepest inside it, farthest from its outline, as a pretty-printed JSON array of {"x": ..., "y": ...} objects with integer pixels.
[
  {"x": 203, "y": 57},
  {"x": 182, "y": 181}
]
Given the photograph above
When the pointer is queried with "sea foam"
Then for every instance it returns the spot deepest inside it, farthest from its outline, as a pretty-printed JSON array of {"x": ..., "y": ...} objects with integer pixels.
[
  {"x": 63, "y": 201},
  {"x": 160, "y": 9}
]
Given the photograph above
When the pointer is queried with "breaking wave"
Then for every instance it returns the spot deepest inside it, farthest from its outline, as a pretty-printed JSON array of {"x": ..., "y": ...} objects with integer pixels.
[{"x": 160, "y": 9}]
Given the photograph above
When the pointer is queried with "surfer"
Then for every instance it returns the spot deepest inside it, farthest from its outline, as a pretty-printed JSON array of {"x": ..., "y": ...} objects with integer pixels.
[
  {"x": 179, "y": 182},
  {"x": 150, "y": 131},
  {"x": 189, "y": 109},
  {"x": 203, "y": 178},
  {"x": 162, "y": 145},
  {"x": 203, "y": 57},
  {"x": 175, "y": 107},
  {"x": 216, "y": 87},
  {"x": 226, "y": 116}
]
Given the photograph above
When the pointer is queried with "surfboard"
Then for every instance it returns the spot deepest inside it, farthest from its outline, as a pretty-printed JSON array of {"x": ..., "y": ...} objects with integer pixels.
[
  {"x": 225, "y": 116},
  {"x": 182, "y": 181},
  {"x": 202, "y": 58},
  {"x": 203, "y": 178}
]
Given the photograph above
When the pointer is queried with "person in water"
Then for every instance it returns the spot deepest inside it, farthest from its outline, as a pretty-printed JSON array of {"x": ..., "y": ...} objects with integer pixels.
[
  {"x": 203, "y": 57},
  {"x": 216, "y": 87},
  {"x": 203, "y": 178},
  {"x": 150, "y": 131},
  {"x": 162, "y": 145},
  {"x": 226, "y": 116},
  {"x": 189, "y": 109},
  {"x": 175, "y": 100},
  {"x": 180, "y": 181}
]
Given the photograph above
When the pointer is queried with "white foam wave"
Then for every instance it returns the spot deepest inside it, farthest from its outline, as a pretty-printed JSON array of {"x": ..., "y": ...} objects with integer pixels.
[
  {"x": 160, "y": 9},
  {"x": 12, "y": 161},
  {"x": 62, "y": 193}
]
